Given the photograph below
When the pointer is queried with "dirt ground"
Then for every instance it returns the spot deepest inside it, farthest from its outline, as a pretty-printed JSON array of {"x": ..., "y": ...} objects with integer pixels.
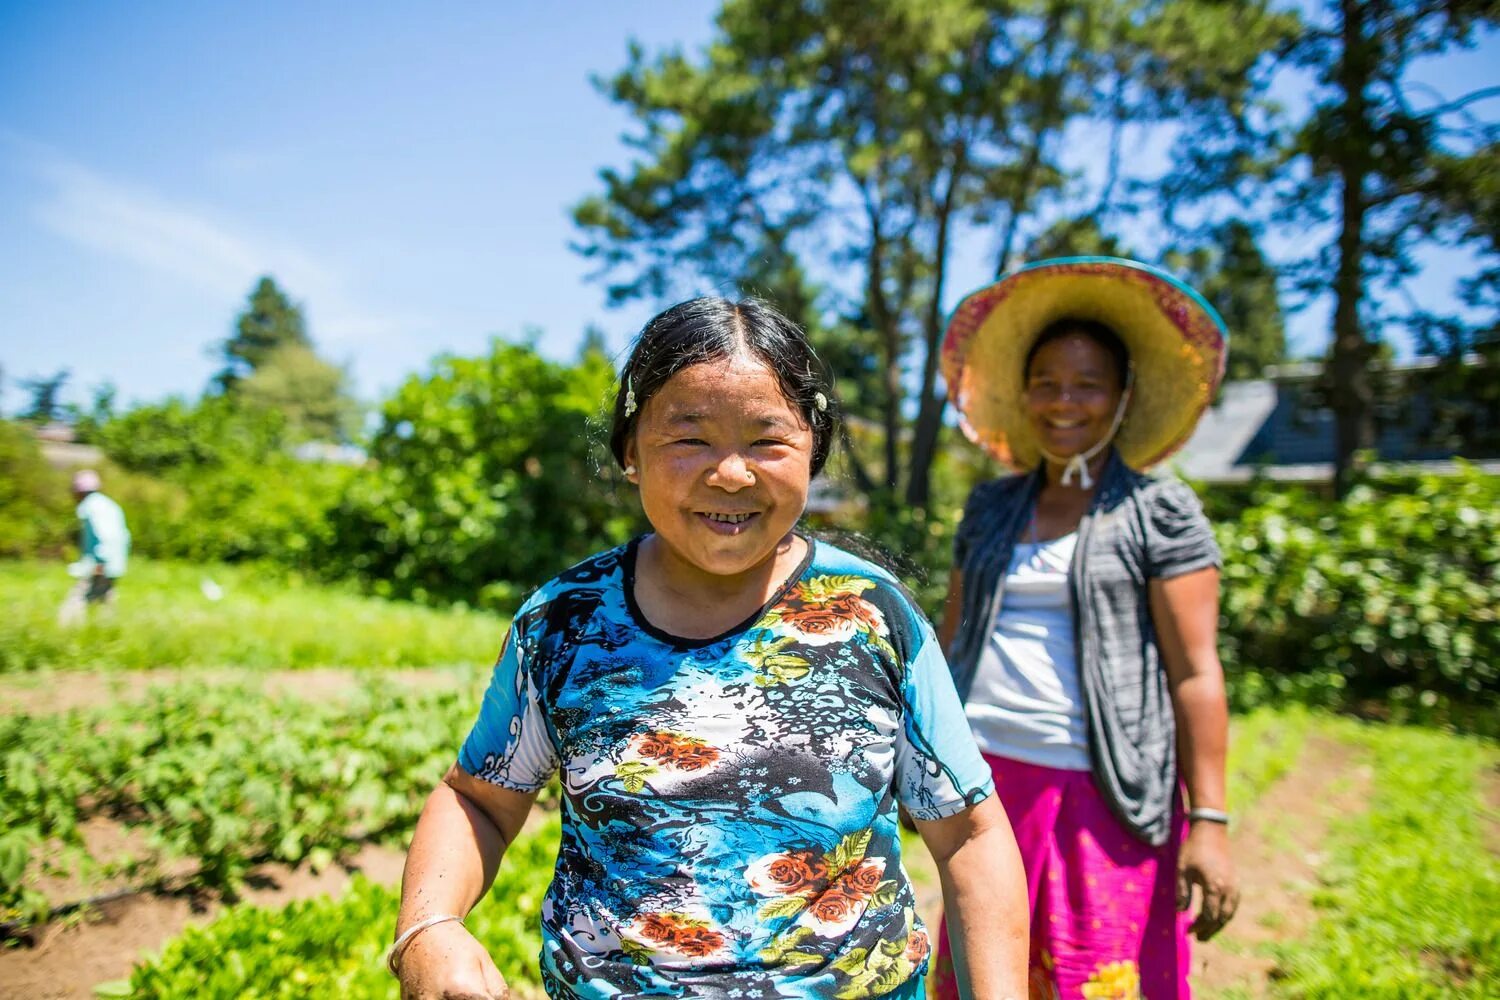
[
  {"x": 59, "y": 691},
  {"x": 1277, "y": 851}
]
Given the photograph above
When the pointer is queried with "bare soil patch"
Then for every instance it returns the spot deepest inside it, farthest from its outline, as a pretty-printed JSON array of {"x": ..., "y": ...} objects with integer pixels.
[{"x": 59, "y": 691}]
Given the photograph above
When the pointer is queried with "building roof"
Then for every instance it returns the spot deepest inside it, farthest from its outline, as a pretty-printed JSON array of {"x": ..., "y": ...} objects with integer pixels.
[{"x": 1277, "y": 427}]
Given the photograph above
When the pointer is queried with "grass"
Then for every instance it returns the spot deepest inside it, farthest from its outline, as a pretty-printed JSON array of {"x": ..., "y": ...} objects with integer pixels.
[
  {"x": 165, "y": 618},
  {"x": 1410, "y": 892},
  {"x": 1263, "y": 746}
]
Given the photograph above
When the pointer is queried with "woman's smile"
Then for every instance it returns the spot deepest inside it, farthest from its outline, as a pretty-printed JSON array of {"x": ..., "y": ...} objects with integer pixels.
[{"x": 726, "y": 523}]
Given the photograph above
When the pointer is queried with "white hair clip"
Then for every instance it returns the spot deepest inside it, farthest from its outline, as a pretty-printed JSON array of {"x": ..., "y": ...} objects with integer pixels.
[
  {"x": 629, "y": 397},
  {"x": 821, "y": 401}
]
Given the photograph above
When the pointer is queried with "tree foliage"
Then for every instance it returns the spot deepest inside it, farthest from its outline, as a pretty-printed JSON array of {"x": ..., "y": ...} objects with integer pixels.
[
  {"x": 1229, "y": 270},
  {"x": 269, "y": 321},
  {"x": 860, "y": 141},
  {"x": 1376, "y": 167},
  {"x": 270, "y": 365},
  {"x": 46, "y": 403},
  {"x": 310, "y": 394},
  {"x": 487, "y": 479},
  {"x": 1381, "y": 170}
]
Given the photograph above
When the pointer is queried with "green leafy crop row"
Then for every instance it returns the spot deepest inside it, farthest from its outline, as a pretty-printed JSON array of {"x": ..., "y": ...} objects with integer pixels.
[
  {"x": 333, "y": 948},
  {"x": 224, "y": 776}
]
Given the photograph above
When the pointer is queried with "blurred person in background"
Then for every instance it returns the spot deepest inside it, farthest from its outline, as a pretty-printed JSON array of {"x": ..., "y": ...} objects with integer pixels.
[
  {"x": 735, "y": 709},
  {"x": 1082, "y": 614},
  {"x": 104, "y": 547}
]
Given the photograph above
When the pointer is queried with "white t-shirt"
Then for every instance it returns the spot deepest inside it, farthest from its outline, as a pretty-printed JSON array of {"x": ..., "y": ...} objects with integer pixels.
[{"x": 1026, "y": 702}]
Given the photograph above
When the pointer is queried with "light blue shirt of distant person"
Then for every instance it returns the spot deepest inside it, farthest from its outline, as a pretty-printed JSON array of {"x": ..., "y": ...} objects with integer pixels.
[{"x": 105, "y": 538}]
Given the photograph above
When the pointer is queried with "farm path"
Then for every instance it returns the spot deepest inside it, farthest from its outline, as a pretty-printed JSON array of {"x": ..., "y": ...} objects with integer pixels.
[
  {"x": 1279, "y": 847},
  {"x": 46, "y": 692}
]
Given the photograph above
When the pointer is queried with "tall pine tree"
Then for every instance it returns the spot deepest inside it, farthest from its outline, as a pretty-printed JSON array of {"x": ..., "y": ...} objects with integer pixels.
[{"x": 268, "y": 322}]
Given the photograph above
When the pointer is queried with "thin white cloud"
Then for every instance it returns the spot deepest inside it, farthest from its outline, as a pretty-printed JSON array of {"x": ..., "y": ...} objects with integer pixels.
[{"x": 198, "y": 246}]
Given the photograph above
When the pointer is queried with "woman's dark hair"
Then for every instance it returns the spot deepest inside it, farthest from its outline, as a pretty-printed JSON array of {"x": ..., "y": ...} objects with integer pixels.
[
  {"x": 1100, "y": 333},
  {"x": 711, "y": 328}
]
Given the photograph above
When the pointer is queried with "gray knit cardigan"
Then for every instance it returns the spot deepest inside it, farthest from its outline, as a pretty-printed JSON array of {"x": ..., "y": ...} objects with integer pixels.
[{"x": 1137, "y": 528}]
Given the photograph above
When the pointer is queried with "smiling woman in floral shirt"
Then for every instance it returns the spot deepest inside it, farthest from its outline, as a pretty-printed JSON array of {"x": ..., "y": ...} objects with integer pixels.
[{"x": 735, "y": 712}]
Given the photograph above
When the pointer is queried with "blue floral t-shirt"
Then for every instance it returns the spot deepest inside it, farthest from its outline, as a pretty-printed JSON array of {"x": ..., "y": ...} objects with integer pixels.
[{"x": 729, "y": 805}]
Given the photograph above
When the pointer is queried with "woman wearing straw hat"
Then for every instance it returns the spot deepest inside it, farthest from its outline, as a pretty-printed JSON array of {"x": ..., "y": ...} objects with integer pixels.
[{"x": 1082, "y": 612}]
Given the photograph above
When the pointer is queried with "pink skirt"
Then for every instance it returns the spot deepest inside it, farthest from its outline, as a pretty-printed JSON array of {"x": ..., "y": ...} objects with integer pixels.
[{"x": 1104, "y": 920}]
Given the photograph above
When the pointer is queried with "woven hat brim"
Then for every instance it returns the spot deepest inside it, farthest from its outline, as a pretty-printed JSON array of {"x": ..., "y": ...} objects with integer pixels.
[{"x": 1177, "y": 345}]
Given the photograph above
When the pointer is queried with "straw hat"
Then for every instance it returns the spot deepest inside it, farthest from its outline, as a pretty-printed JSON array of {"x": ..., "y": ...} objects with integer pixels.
[{"x": 1177, "y": 345}]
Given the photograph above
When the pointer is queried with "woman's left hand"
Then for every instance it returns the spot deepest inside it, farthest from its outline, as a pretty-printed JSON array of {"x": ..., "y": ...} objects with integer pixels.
[{"x": 1204, "y": 862}]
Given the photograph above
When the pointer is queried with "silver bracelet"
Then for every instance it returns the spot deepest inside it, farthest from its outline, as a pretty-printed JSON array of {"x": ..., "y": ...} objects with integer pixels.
[
  {"x": 1208, "y": 815},
  {"x": 398, "y": 946}
]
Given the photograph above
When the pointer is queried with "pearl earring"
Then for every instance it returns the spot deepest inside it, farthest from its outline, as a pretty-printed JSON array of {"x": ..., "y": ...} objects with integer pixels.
[{"x": 629, "y": 470}]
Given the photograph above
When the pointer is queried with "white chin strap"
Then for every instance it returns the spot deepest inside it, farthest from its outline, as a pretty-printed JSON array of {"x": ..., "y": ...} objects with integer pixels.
[{"x": 1079, "y": 464}]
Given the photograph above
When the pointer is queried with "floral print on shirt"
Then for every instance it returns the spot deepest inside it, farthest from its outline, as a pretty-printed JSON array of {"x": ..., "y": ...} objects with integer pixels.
[{"x": 729, "y": 805}]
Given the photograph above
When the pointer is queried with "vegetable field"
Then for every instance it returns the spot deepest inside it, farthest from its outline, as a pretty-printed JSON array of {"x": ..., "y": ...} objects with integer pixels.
[{"x": 1369, "y": 851}]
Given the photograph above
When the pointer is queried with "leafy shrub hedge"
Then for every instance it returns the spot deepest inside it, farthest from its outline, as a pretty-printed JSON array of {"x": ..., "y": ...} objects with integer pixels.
[
  {"x": 485, "y": 481},
  {"x": 213, "y": 481},
  {"x": 1392, "y": 595},
  {"x": 36, "y": 512}
]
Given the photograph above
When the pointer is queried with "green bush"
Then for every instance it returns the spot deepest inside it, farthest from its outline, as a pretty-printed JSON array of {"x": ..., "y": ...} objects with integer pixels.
[
  {"x": 177, "y": 438},
  {"x": 213, "y": 481},
  {"x": 486, "y": 480},
  {"x": 36, "y": 511},
  {"x": 1392, "y": 595}
]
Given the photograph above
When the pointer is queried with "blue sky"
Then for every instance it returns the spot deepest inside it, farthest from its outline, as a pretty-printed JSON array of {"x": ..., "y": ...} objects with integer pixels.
[{"x": 405, "y": 172}]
